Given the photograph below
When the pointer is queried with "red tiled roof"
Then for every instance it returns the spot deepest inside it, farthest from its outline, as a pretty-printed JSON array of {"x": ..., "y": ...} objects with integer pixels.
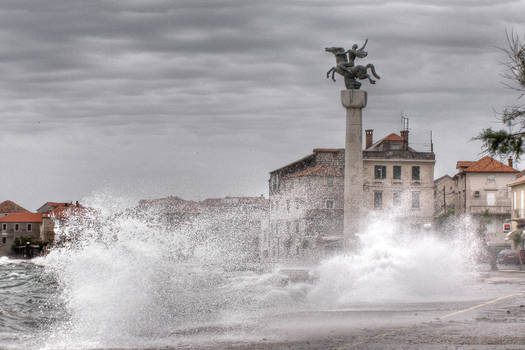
[
  {"x": 22, "y": 217},
  {"x": 489, "y": 165},
  {"x": 11, "y": 207},
  {"x": 464, "y": 164},
  {"x": 393, "y": 137},
  {"x": 318, "y": 170},
  {"x": 63, "y": 212}
]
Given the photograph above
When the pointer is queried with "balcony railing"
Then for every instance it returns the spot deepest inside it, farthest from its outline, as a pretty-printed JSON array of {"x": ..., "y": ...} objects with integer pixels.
[{"x": 491, "y": 209}]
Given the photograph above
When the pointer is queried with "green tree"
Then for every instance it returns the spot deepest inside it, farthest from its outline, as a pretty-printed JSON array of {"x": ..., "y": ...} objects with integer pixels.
[{"x": 501, "y": 142}]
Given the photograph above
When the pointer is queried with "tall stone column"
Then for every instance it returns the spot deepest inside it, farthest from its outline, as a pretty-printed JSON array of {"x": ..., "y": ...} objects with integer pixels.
[{"x": 354, "y": 101}]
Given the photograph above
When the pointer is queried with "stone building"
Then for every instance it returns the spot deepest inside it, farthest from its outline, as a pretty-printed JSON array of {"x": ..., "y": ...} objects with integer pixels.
[
  {"x": 444, "y": 195},
  {"x": 17, "y": 225},
  {"x": 482, "y": 192},
  {"x": 306, "y": 196}
]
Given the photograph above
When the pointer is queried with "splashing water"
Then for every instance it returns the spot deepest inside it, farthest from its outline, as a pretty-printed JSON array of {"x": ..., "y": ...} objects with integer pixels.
[
  {"x": 128, "y": 279},
  {"x": 395, "y": 265}
]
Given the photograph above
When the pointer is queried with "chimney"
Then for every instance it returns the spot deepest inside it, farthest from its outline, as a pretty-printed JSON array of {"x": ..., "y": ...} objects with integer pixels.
[
  {"x": 369, "y": 138},
  {"x": 510, "y": 162},
  {"x": 404, "y": 135}
]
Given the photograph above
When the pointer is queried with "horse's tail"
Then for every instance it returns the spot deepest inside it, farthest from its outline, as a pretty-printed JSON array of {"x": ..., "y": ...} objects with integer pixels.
[{"x": 371, "y": 66}]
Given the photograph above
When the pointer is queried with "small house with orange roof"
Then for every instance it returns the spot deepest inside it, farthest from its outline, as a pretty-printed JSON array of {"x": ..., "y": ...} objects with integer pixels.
[
  {"x": 61, "y": 212},
  {"x": 17, "y": 225},
  {"x": 482, "y": 191}
]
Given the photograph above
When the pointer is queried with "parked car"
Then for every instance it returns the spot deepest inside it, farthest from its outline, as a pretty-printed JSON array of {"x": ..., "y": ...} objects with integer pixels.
[{"x": 508, "y": 257}]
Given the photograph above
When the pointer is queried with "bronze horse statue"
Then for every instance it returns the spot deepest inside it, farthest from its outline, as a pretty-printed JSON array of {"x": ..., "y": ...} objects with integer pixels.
[{"x": 345, "y": 66}]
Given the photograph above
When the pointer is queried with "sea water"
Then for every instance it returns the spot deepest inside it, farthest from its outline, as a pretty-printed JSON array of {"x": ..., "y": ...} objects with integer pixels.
[{"x": 122, "y": 278}]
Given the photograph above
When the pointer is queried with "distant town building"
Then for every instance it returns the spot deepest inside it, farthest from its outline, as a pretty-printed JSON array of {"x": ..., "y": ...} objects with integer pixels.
[
  {"x": 306, "y": 196},
  {"x": 444, "y": 195},
  {"x": 58, "y": 212},
  {"x": 237, "y": 220},
  {"x": 8, "y": 207},
  {"x": 482, "y": 192},
  {"x": 17, "y": 225}
]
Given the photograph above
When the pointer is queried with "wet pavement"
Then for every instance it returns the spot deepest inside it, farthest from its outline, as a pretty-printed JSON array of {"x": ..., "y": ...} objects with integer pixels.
[{"x": 492, "y": 318}]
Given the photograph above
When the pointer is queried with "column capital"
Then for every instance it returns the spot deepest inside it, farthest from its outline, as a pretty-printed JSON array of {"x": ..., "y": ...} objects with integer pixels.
[{"x": 353, "y": 98}]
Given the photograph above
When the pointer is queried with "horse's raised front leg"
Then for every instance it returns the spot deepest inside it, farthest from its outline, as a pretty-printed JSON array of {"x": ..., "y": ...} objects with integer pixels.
[
  {"x": 333, "y": 73},
  {"x": 370, "y": 79},
  {"x": 328, "y": 73}
]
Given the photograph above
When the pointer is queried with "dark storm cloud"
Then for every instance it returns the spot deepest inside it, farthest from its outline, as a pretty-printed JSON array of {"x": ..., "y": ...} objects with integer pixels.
[{"x": 203, "y": 98}]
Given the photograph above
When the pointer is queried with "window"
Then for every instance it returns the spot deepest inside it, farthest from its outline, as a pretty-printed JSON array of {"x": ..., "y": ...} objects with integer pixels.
[
  {"x": 491, "y": 179},
  {"x": 476, "y": 194},
  {"x": 397, "y": 172},
  {"x": 330, "y": 181},
  {"x": 4, "y": 240},
  {"x": 17, "y": 226},
  {"x": 415, "y": 200},
  {"x": 4, "y": 227},
  {"x": 395, "y": 145},
  {"x": 491, "y": 198},
  {"x": 380, "y": 172},
  {"x": 329, "y": 204},
  {"x": 396, "y": 198},
  {"x": 29, "y": 227},
  {"x": 378, "y": 199},
  {"x": 415, "y": 173}
]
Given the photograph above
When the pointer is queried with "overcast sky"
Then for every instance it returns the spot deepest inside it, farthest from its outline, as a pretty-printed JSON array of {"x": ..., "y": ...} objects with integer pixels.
[{"x": 204, "y": 98}]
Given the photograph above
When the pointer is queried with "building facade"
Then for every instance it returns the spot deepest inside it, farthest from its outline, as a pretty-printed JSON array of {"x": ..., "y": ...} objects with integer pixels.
[
  {"x": 482, "y": 193},
  {"x": 17, "y": 225},
  {"x": 517, "y": 195},
  {"x": 307, "y": 196}
]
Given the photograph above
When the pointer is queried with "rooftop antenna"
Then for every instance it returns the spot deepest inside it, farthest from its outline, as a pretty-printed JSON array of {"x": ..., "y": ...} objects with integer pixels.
[
  {"x": 404, "y": 122},
  {"x": 431, "y": 142}
]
